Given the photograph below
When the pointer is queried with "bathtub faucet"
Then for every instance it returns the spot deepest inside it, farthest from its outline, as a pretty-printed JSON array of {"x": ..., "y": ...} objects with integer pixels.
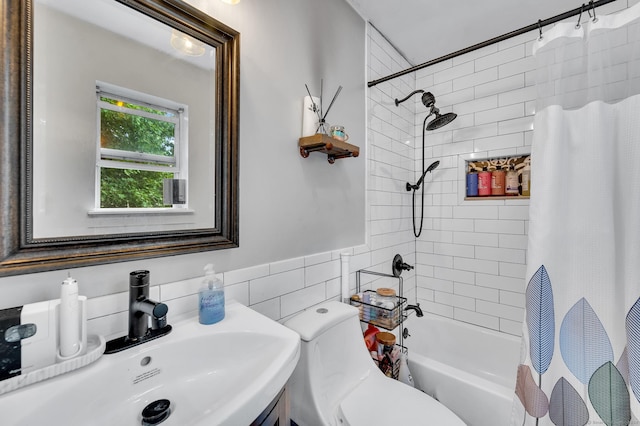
[{"x": 416, "y": 308}]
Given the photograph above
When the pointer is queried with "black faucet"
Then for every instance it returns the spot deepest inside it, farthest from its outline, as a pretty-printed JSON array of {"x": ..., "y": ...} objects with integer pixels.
[
  {"x": 416, "y": 308},
  {"x": 140, "y": 309}
]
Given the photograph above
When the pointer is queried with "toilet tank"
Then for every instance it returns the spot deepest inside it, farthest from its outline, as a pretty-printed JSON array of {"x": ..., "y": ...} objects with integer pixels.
[{"x": 333, "y": 361}]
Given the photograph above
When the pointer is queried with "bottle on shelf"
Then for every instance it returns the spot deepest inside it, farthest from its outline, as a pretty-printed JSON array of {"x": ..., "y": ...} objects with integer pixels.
[
  {"x": 484, "y": 182},
  {"x": 526, "y": 180},
  {"x": 472, "y": 184},
  {"x": 497, "y": 181},
  {"x": 511, "y": 181}
]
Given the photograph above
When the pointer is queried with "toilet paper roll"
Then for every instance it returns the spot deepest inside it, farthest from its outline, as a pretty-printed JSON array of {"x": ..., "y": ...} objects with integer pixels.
[{"x": 309, "y": 116}]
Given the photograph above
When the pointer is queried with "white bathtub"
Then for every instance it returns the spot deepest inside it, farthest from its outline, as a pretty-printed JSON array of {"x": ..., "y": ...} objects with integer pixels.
[{"x": 470, "y": 369}]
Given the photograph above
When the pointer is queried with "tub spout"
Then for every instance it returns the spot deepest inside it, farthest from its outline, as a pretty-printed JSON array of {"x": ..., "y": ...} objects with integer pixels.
[{"x": 416, "y": 308}]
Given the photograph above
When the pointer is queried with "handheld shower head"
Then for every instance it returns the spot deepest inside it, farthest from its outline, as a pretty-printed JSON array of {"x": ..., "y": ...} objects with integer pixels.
[{"x": 431, "y": 168}]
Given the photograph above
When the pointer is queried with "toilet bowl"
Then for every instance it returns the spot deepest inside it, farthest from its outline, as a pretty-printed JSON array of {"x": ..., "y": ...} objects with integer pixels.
[{"x": 336, "y": 383}]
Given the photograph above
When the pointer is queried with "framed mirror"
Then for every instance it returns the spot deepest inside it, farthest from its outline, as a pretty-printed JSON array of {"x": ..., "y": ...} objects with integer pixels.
[{"x": 119, "y": 135}]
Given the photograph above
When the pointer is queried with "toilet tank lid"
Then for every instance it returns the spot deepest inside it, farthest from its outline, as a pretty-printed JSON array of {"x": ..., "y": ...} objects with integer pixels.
[{"x": 316, "y": 320}]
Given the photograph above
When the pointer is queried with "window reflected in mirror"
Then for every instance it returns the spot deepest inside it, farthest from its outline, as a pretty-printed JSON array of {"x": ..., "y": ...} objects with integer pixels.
[{"x": 123, "y": 108}]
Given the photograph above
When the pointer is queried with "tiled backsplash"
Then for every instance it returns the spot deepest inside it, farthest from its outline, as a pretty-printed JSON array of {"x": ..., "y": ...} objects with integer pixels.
[{"x": 277, "y": 290}]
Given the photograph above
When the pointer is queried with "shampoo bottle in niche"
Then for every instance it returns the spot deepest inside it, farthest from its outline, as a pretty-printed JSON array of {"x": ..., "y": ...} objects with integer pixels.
[
  {"x": 484, "y": 182},
  {"x": 211, "y": 298},
  {"x": 512, "y": 181},
  {"x": 472, "y": 184},
  {"x": 526, "y": 180},
  {"x": 497, "y": 181}
]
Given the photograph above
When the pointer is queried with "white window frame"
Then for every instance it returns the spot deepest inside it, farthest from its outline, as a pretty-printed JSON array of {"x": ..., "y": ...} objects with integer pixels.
[{"x": 109, "y": 158}]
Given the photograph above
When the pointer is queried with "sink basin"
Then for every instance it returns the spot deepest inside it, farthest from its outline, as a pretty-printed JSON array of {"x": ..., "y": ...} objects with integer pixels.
[{"x": 221, "y": 374}]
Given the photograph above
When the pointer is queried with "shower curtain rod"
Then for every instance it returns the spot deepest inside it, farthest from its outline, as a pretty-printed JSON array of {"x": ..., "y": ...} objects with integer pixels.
[{"x": 537, "y": 25}]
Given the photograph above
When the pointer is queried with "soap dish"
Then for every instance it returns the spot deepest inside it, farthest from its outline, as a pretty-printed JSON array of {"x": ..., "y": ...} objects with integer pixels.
[{"x": 95, "y": 349}]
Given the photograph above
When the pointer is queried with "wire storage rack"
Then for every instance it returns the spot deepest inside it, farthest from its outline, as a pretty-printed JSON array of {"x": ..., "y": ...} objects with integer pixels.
[{"x": 388, "y": 318}]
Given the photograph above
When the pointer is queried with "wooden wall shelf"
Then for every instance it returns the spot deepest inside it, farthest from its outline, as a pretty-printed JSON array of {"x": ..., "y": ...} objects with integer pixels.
[{"x": 334, "y": 148}]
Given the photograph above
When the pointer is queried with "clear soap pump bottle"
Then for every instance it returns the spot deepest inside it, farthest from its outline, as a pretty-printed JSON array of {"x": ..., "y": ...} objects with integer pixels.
[{"x": 211, "y": 298}]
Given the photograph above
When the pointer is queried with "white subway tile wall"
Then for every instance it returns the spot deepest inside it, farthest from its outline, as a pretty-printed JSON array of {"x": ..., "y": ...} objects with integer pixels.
[{"x": 471, "y": 258}]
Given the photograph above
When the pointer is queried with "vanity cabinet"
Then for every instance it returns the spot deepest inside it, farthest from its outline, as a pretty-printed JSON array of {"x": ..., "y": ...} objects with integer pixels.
[{"x": 277, "y": 413}]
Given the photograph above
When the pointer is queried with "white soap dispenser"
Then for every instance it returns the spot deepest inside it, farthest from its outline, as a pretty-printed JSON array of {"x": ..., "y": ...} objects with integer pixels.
[
  {"x": 211, "y": 298},
  {"x": 69, "y": 322}
]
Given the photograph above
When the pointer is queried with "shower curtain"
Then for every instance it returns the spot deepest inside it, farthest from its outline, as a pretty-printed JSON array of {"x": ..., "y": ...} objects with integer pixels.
[{"x": 580, "y": 361}]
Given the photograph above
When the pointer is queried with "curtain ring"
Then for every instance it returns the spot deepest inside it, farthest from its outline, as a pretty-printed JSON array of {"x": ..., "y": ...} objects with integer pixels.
[
  {"x": 540, "y": 28},
  {"x": 593, "y": 7},
  {"x": 580, "y": 16}
]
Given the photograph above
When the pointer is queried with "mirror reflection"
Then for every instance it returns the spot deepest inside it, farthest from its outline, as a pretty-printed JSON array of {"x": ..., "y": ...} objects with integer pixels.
[
  {"x": 123, "y": 123},
  {"x": 123, "y": 144}
]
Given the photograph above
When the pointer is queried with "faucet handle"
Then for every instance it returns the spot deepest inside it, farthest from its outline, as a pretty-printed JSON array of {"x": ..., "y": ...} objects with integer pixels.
[
  {"x": 398, "y": 266},
  {"x": 159, "y": 311}
]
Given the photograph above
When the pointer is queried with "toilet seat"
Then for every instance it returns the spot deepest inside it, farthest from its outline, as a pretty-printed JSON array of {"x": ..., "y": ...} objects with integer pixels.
[{"x": 379, "y": 400}]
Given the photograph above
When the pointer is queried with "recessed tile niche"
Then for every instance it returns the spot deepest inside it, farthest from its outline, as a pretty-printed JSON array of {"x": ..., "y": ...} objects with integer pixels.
[{"x": 521, "y": 166}]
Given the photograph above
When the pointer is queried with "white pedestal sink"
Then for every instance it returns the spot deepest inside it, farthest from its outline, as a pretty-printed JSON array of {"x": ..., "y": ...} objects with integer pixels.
[{"x": 220, "y": 374}]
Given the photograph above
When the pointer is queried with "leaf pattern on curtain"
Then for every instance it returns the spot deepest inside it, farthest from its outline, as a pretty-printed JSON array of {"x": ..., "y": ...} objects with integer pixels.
[
  {"x": 533, "y": 399},
  {"x": 566, "y": 407},
  {"x": 584, "y": 343},
  {"x": 623, "y": 365},
  {"x": 609, "y": 396},
  {"x": 632, "y": 324},
  {"x": 540, "y": 319}
]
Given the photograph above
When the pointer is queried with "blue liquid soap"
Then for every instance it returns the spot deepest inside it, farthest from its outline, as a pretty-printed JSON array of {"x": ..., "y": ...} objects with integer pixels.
[{"x": 211, "y": 306}]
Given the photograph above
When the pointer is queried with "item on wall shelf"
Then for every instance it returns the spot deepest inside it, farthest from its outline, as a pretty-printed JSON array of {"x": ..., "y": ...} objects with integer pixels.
[
  {"x": 334, "y": 148},
  {"x": 526, "y": 180},
  {"x": 323, "y": 127},
  {"x": 511, "y": 181},
  {"x": 497, "y": 181},
  {"x": 337, "y": 132},
  {"x": 484, "y": 182},
  {"x": 309, "y": 115},
  {"x": 472, "y": 184}
]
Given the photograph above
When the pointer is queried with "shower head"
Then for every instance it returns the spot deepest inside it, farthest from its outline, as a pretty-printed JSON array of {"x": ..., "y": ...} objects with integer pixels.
[
  {"x": 441, "y": 120},
  {"x": 429, "y": 101},
  {"x": 431, "y": 168}
]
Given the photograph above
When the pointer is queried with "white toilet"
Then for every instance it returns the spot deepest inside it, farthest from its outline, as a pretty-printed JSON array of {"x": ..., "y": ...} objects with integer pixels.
[{"x": 337, "y": 383}]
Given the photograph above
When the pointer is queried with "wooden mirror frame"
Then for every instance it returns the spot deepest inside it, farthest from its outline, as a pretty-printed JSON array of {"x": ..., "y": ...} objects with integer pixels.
[{"x": 20, "y": 253}]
